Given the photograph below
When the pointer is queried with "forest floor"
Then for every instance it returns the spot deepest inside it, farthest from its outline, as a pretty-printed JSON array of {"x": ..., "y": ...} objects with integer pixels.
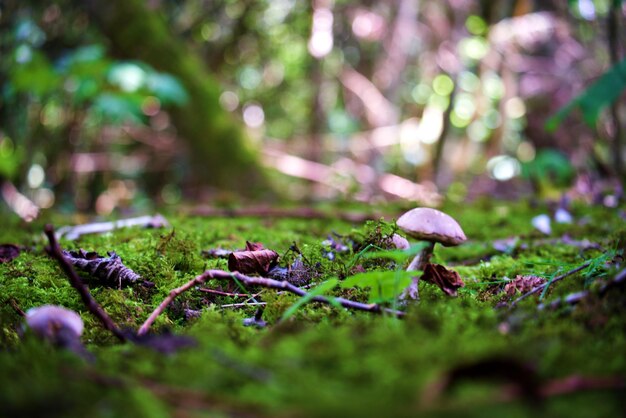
[{"x": 557, "y": 352}]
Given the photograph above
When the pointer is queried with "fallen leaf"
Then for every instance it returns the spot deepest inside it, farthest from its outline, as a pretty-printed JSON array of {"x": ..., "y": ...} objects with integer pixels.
[
  {"x": 254, "y": 246},
  {"x": 523, "y": 284},
  {"x": 8, "y": 252},
  {"x": 254, "y": 260},
  {"x": 448, "y": 280},
  {"x": 110, "y": 269}
]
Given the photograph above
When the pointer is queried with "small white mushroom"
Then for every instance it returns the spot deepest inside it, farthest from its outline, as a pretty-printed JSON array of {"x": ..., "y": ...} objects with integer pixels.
[
  {"x": 432, "y": 226},
  {"x": 50, "y": 321},
  {"x": 400, "y": 242}
]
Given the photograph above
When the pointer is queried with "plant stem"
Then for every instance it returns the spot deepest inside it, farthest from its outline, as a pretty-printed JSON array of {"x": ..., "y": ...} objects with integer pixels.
[
  {"x": 556, "y": 279},
  {"x": 422, "y": 258},
  {"x": 54, "y": 250}
]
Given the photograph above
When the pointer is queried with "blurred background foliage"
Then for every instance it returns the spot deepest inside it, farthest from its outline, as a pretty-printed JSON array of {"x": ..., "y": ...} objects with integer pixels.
[{"x": 138, "y": 103}]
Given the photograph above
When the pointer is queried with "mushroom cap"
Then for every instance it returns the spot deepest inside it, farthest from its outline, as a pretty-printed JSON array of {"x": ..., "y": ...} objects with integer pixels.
[
  {"x": 47, "y": 320},
  {"x": 432, "y": 225}
]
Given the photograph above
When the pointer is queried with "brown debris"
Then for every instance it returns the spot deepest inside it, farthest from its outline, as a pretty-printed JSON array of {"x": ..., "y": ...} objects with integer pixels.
[
  {"x": 8, "y": 252},
  {"x": 255, "y": 259},
  {"x": 448, "y": 280},
  {"x": 522, "y": 284}
]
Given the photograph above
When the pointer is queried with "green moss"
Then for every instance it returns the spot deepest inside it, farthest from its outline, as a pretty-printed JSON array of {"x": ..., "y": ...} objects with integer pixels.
[{"x": 324, "y": 360}]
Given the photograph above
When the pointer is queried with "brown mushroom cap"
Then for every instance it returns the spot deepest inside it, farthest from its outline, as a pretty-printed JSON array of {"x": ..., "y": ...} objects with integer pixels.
[{"x": 428, "y": 224}]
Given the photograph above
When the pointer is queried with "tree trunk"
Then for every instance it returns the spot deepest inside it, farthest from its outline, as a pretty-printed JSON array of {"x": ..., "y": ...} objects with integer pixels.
[{"x": 220, "y": 154}]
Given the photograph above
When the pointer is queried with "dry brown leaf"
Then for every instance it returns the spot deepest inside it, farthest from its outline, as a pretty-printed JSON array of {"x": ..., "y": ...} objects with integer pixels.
[
  {"x": 254, "y": 246},
  {"x": 258, "y": 261},
  {"x": 448, "y": 280},
  {"x": 523, "y": 284}
]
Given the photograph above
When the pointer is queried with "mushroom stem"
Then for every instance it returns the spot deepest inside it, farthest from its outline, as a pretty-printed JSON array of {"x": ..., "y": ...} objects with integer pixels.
[
  {"x": 418, "y": 263},
  {"x": 422, "y": 258}
]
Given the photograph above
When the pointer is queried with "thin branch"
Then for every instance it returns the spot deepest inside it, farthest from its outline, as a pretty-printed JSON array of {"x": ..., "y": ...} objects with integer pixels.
[
  {"x": 54, "y": 250},
  {"x": 284, "y": 285},
  {"x": 574, "y": 298},
  {"x": 259, "y": 281},
  {"x": 243, "y": 305},
  {"x": 172, "y": 295},
  {"x": 556, "y": 279},
  {"x": 13, "y": 303},
  {"x": 219, "y": 292},
  {"x": 75, "y": 232}
]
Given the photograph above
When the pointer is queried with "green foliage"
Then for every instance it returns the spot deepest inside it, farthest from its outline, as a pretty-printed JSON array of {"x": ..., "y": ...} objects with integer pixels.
[
  {"x": 397, "y": 255},
  {"x": 549, "y": 166},
  {"x": 318, "y": 290},
  {"x": 602, "y": 93},
  {"x": 385, "y": 286}
]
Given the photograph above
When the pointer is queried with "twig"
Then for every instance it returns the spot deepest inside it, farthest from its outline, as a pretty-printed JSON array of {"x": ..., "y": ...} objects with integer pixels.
[
  {"x": 242, "y": 305},
  {"x": 74, "y": 232},
  {"x": 259, "y": 281},
  {"x": 54, "y": 250},
  {"x": 219, "y": 292},
  {"x": 556, "y": 279},
  {"x": 574, "y": 298},
  {"x": 13, "y": 303},
  {"x": 172, "y": 295}
]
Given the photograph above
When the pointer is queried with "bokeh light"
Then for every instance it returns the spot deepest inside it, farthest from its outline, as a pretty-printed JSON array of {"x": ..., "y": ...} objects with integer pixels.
[
  {"x": 503, "y": 167},
  {"x": 253, "y": 115}
]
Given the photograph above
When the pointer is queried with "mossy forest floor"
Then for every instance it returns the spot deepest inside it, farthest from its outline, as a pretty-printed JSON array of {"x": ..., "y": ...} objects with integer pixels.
[{"x": 460, "y": 356}]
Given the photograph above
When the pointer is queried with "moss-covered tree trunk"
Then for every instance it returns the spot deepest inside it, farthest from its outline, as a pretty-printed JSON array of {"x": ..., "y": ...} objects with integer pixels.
[{"x": 219, "y": 152}]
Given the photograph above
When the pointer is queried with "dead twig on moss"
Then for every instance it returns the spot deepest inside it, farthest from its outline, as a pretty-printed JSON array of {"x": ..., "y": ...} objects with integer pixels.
[
  {"x": 243, "y": 304},
  {"x": 54, "y": 250},
  {"x": 549, "y": 282},
  {"x": 221, "y": 293},
  {"x": 264, "y": 282},
  {"x": 574, "y": 298}
]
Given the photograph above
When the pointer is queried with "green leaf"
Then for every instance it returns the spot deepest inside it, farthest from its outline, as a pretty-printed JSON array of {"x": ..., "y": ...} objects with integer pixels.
[
  {"x": 551, "y": 166},
  {"x": 35, "y": 76},
  {"x": 317, "y": 291},
  {"x": 384, "y": 286},
  {"x": 602, "y": 93},
  {"x": 11, "y": 158}
]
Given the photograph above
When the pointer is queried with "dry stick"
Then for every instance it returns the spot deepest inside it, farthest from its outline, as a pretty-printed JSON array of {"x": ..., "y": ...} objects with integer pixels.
[
  {"x": 259, "y": 281},
  {"x": 219, "y": 292},
  {"x": 575, "y": 298},
  {"x": 556, "y": 279},
  {"x": 244, "y": 304},
  {"x": 54, "y": 250}
]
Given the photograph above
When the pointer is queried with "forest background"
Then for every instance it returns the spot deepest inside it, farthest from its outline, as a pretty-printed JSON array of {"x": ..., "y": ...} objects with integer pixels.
[{"x": 132, "y": 104}]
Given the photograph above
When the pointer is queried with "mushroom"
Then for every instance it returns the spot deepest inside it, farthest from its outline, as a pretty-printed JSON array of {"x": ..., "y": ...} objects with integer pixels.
[
  {"x": 433, "y": 226},
  {"x": 61, "y": 326}
]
